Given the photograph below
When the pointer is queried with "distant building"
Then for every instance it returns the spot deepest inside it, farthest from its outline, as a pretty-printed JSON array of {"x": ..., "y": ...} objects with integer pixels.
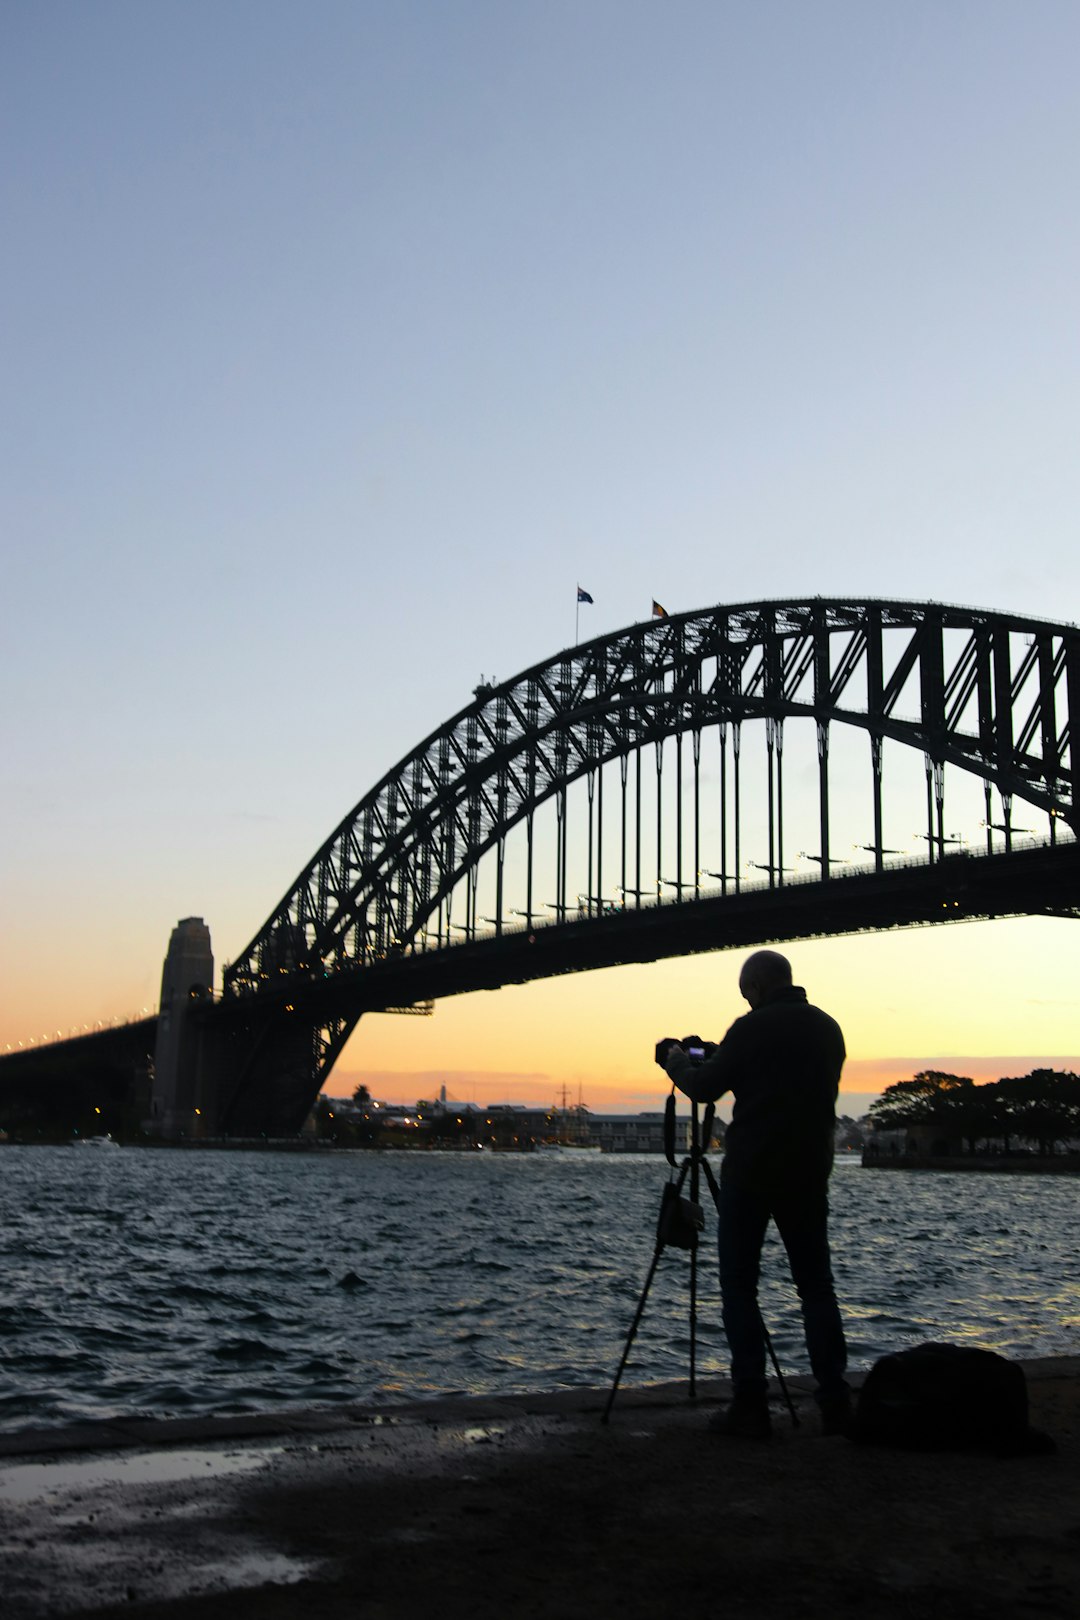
[
  {"x": 513, "y": 1127},
  {"x": 634, "y": 1133},
  {"x": 921, "y": 1141}
]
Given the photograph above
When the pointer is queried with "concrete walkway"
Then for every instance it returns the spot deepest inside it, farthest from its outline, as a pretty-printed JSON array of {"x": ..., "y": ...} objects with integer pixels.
[{"x": 528, "y": 1506}]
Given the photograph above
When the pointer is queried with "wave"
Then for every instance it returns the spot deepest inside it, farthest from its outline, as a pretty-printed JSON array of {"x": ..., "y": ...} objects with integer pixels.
[{"x": 231, "y": 1282}]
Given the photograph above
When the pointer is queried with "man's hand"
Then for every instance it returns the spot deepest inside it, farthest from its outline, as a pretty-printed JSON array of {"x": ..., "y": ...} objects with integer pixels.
[{"x": 665, "y": 1048}]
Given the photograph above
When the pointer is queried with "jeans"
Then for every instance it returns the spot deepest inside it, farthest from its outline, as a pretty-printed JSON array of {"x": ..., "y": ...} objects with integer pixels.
[{"x": 801, "y": 1215}]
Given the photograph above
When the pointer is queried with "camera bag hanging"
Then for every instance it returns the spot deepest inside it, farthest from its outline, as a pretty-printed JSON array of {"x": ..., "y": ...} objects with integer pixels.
[{"x": 681, "y": 1219}]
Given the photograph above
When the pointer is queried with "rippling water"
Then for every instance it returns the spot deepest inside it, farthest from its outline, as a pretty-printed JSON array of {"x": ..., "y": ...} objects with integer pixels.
[{"x": 150, "y": 1282}]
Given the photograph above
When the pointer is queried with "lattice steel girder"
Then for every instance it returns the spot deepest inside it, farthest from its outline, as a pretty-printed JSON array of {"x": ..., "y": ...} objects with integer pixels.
[
  {"x": 1040, "y": 880},
  {"x": 403, "y": 848}
]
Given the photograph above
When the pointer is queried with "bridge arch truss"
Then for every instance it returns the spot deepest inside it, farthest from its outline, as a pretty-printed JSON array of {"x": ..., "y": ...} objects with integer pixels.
[{"x": 640, "y": 767}]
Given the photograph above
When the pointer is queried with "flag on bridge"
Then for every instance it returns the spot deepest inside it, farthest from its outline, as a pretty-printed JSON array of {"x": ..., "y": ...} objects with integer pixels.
[
  {"x": 583, "y": 596},
  {"x": 658, "y": 612}
]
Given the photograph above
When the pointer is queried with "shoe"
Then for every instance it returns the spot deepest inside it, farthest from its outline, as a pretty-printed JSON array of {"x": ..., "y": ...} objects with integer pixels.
[
  {"x": 836, "y": 1411},
  {"x": 747, "y": 1418}
]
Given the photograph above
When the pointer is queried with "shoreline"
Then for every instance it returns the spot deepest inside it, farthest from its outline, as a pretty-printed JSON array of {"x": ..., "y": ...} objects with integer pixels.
[
  {"x": 985, "y": 1164},
  {"x": 131, "y": 1433},
  {"x": 529, "y": 1505}
]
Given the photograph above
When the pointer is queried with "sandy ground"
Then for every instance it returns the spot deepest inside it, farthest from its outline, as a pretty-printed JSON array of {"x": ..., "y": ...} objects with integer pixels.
[{"x": 531, "y": 1507}]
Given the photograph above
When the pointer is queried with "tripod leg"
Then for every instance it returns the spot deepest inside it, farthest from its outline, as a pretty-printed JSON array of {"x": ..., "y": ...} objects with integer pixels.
[
  {"x": 633, "y": 1329},
  {"x": 693, "y": 1319},
  {"x": 788, "y": 1402}
]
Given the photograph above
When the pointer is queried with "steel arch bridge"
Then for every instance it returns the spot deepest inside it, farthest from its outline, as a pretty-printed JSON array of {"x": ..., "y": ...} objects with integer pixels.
[{"x": 644, "y": 793}]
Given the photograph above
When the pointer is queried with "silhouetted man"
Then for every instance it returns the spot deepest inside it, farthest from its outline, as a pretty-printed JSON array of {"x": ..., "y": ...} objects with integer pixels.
[{"x": 781, "y": 1061}]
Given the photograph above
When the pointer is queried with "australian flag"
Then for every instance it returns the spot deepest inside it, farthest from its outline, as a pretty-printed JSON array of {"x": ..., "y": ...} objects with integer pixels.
[{"x": 583, "y": 596}]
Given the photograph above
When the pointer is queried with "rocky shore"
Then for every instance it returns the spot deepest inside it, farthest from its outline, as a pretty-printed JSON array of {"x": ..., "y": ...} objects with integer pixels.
[{"x": 531, "y": 1507}]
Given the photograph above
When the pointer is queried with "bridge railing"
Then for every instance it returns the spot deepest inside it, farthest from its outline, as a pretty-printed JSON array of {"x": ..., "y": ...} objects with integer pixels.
[
  {"x": 103, "y": 1026},
  {"x": 790, "y": 878},
  {"x": 429, "y": 941}
]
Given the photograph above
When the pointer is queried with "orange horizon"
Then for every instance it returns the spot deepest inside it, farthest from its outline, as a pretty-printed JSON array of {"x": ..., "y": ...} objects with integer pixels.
[
  {"x": 984, "y": 1000},
  {"x": 863, "y": 1078}
]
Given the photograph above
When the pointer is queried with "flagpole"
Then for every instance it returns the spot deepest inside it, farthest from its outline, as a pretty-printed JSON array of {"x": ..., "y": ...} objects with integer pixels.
[{"x": 581, "y": 596}]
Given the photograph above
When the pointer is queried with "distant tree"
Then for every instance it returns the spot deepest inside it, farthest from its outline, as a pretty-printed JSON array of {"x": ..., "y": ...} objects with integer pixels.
[
  {"x": 1041, "y": 1107},
  {"x": 979, "y": 1116},
  {"x": 953, "y": 1102},
  {"x": 850, "y": 1133},
  {"x": 361, "y": 1096},
  {"x": 1006, "y": 1104},
  {"x": 929, "y": 1098}
]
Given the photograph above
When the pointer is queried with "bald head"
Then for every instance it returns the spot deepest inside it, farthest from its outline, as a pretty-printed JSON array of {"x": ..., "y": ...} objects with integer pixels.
[{"x": 762, "y": 974}]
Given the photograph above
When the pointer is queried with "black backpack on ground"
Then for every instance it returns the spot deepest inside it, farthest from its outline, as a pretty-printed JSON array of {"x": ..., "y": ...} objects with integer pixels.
[{"x": 947, "y": 1397}]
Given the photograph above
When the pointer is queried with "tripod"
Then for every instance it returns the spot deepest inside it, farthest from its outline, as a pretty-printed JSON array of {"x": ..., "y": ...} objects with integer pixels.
[{"x": 681, "y": 1222}]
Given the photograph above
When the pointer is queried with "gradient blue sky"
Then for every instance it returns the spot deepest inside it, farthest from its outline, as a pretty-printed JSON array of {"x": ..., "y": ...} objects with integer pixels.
[{"x": 342, "y": 340}]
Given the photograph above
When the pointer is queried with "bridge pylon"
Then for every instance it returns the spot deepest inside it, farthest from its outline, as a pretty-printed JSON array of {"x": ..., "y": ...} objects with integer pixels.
[
  {"x": 187, "y": 978},
  {"x": 226, "y": 1070}
]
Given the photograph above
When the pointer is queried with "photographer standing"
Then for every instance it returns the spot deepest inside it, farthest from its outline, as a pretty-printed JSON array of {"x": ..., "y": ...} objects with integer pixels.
[{"x": 781, "y": 1061}]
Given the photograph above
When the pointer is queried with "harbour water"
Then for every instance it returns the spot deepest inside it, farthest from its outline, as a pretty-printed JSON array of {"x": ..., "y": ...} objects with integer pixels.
[{"x": 143, "y": 1282}]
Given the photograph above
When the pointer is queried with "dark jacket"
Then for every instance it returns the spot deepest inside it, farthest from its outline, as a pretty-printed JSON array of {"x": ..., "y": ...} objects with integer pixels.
[{"x": 781, "y": 1062}]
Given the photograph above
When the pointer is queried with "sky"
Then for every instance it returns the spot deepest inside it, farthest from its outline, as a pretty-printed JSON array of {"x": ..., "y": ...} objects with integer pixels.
[{"x": 343, "y": 341}]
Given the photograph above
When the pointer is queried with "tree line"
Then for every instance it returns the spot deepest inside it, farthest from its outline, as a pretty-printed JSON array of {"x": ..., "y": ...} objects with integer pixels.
[{"x": 1042, "y": 1107}]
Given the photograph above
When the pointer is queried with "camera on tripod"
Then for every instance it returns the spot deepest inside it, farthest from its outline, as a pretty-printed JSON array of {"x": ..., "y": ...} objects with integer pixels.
[{"x": 696, "y": 1049}]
